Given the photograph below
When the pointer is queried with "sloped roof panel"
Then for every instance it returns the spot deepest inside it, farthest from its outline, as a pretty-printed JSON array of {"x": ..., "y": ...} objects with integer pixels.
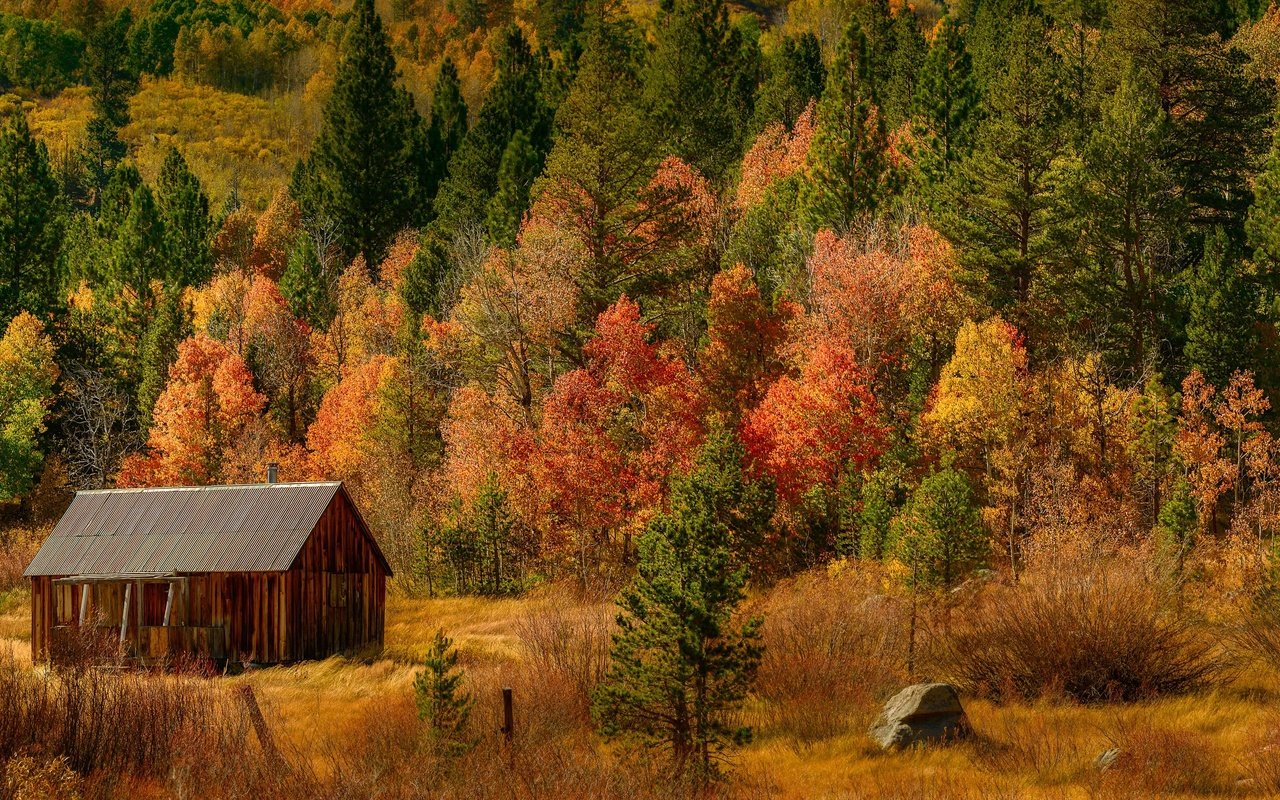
[{"x": 256, "y": 528}]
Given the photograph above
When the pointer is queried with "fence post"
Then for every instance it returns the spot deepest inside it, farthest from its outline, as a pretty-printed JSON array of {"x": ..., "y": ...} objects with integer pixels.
[
  {"x": 260, "y": 725},
  {"x": 508, "y": 717}
]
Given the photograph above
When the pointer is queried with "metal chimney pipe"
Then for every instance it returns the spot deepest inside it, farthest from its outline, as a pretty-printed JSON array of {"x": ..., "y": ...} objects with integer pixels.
[{"x": 272, "y": 470}]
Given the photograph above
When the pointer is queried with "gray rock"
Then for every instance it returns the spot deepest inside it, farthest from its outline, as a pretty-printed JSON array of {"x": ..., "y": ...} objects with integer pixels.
[
  {"x": 926, "y": 712},
  {"x": 1106, "y": 759}
]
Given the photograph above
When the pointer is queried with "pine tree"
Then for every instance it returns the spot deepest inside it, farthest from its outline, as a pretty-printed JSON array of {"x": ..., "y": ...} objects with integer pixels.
[
  {"x": 880, "y": 501},
  {"x": 520, "y": 166},
  {"x": 945, "y": 105},
  {"x": 441, "y": 701},
  {"x": 448, "y": 125},
  {"x": 794, "y": 78},
  {"x": 306, "y": 286},
  {"x": 1263, "y": 223},
  {"x": 514, "y": 102},
  {"x": 679, "y": 667},
  {"x": 1219, "y": 112},
  {"x": 693, "y": 85},
  {"x": 1220, "y": 327},
  {"x": 939, "y": 535},
  {"x": 423, "y": 287},
  {"x": 909, "y": 50},
  {"x": 877, "y": 26},
  {"x": 30, "y": 223},
  {"x": 362, "y": 172},
  {"x": 1176, "y": 525},
  {"x": 601, "y": 162},
  {"x": 184, "y": 208},
  {"x": 1001, "y": 200},
  {"x": 849, "y": 171},
  {"x": 1127, "y": 213},
  {"x": 167, "y": 328},
  {"x": 111, "y": 83},
  {"x": 139, "y": 256}
]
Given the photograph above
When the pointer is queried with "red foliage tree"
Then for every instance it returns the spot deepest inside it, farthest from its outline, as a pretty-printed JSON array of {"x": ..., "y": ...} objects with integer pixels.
[{"x": 810, "y": 428}]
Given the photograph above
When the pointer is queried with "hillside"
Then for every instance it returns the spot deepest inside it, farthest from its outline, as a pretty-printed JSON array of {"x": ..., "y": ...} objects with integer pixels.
[{"x": 831, "y": 346}]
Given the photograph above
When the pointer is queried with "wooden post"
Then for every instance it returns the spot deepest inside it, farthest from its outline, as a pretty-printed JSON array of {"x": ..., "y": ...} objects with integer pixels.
[
  {"x": 124, "y": 615},
  {"x": 259, "y": 724},
  {"x": 508, "y": 717},
  {"x": 168, "y": 604}
]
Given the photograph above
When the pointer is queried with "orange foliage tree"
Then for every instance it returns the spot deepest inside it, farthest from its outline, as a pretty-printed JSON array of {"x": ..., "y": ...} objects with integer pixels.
[
  {"x": 743, "y": 352},
  {"x": 205, "y": 411}
]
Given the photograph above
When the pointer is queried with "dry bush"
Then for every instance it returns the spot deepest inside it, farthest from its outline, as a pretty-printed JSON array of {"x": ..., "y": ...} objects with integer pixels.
[
  {"x": 1158, "y": 762},
  {"x": 30, "y": 778},
  {"x": 1255, "y": 634},
  {"x": 17, "y": 547},
  {"x": 567, "y": 648},
  {"x": 1031, "y": 744},
  {"x": 1092, "y": 635},
  {"x": 833, "y": 647},
  {"x": 127, "y": 723},
  {"x": 1261, "y": 758}
]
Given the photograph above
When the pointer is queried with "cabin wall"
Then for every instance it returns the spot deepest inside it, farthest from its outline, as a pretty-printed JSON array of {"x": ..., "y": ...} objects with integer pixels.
[{"x": 336, "y": 588}]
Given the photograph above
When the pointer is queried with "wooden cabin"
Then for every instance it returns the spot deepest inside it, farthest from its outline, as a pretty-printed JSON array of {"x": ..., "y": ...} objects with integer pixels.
[{"x": 265, "y": 573}]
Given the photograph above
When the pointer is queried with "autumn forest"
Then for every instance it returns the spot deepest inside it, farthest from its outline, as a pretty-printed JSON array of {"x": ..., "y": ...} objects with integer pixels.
[{"x": 964, "y": 315}]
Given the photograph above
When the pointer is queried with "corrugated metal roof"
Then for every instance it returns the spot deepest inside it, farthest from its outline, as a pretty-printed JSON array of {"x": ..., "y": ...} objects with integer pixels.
[{"x": 255, "y": 528}]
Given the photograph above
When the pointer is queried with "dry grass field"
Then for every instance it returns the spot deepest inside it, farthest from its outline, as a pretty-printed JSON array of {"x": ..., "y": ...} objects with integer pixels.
[{"x": 347, "y": 726}]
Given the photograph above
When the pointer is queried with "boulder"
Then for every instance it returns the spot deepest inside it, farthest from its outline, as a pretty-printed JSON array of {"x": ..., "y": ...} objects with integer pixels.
[{"x": 926, "y": 712}]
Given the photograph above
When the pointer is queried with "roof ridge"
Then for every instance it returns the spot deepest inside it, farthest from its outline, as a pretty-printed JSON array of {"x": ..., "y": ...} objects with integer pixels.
[{"x": 282, "y": 484}]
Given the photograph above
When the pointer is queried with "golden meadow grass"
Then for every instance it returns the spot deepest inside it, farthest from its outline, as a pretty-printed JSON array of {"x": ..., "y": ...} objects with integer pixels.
[{"x": 343, "y": 720}]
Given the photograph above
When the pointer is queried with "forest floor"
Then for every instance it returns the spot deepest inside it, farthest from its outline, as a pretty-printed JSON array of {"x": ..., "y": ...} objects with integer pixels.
[{"x": 1225, "y": 743}]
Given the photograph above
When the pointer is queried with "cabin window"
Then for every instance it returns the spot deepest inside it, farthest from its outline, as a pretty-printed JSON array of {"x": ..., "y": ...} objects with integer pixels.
[{"x": 337, "y": 590}]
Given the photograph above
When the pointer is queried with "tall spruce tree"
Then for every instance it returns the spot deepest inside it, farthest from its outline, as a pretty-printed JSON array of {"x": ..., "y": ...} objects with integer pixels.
[
  {"x": 1263, "y": 223},
  {"x": 111, "y": 84},
  {"x": 1000, "y": 207},
  {"x": 693, "y": 85},
  {"x": 680, "y": 667},
  {"x": 939, "y": 534},
  {"x": 850, "y": 174},
  {"x": 1221, "y": 337},
  {"x": 909, "y": 51},
  {"x": 794, "y": 77},
  {"x": 362, "y": 173},
  {"x": 601, "y": 162},
  {"x": 520, "y": 166},
  {"x": 1219, "y": 112},
  {"x": 30, "y": 223},
  {"x": 164, "y": 331},
  {"x": 448, "y": 124},
  {"x": 877, "y": 26},
  {"x": 306, "y": 285},
  {"x": 1126, "y": 214},
  {"x": 514, "y": 102},
  {"x": 184, "y": 208},
  {"x": 945, "y": 106}
]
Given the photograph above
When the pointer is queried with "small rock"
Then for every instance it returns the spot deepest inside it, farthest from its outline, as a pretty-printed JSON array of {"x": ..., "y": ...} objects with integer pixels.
[
  {"x": 925, "y": 712},
  {"x": 1106, "y": 759}
]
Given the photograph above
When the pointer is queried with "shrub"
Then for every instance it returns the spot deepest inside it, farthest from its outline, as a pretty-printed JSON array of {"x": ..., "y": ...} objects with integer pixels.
[
  {"x": 832, "y": 648},
  {"x": 568, "y": 648},
  {"x": 128, "y": 723},
  {"x": 1090, "y": 634}
]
